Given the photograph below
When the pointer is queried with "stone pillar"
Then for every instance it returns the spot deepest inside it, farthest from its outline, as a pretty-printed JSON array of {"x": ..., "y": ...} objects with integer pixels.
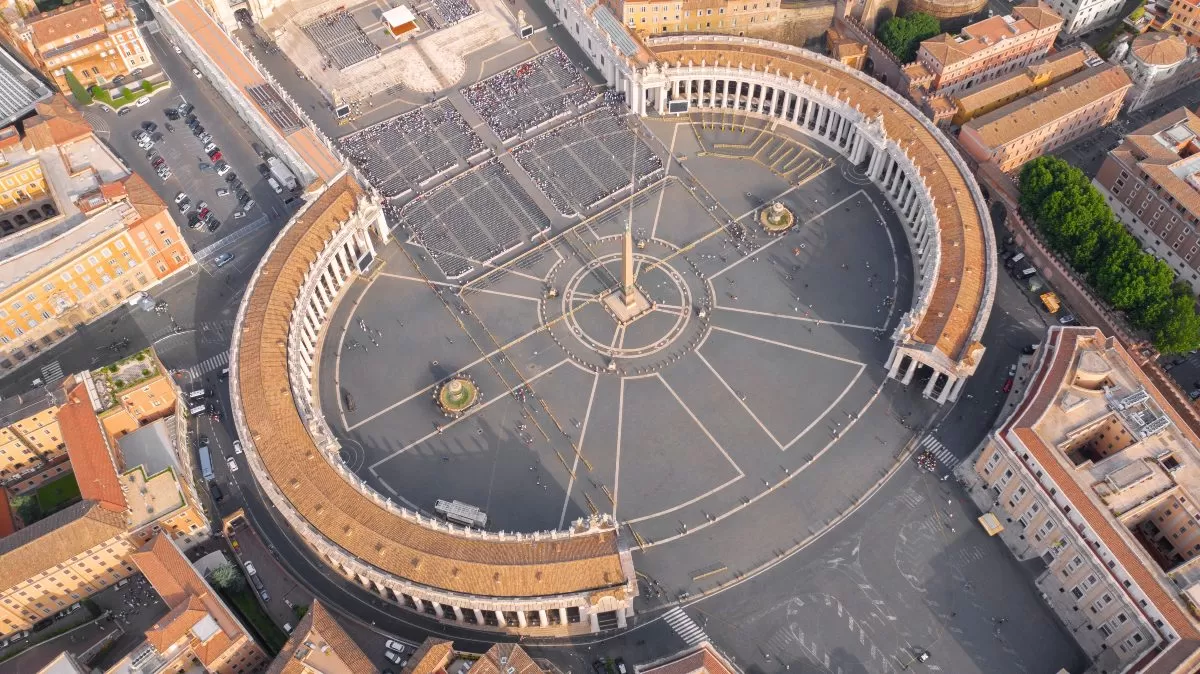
[
  {"x": 458, "y": 615},
  {"x": 895, "y": 368},
  {"x": 932, "y": 383},
  {"x": 322, "y": 292},
  {"x": 621, "y": 622},
  {"x": 662, "y": 100},
  {"x": 951, "y": 382},
  {"x": 500, "y": 618},
  {"x": 562, "y": 615},
  {"x": 912, "y": 370},
  {"x": 957, "y": 388},
  {"x": 437, "y": 609},
  {"x": 737, "y": 96},
  {"x": 521, "y": 619},
  {"x": 366, "y": 235},
  {"x": 593, "y": 621},
  {"x": 542, "y": 618}
]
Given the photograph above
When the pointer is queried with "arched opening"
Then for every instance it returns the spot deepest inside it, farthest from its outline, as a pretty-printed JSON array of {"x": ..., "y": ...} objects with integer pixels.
[
  {"x": 243, "y": 17},
  {"x": 48, "y": 210},
  {"x": 35, "y": 214},
  {"x": 20, "y": 220}
]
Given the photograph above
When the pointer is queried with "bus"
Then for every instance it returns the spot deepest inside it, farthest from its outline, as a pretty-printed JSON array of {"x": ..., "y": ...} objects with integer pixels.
[
  {"x": 205, "y": 463},
  {"x": 461, "y": 513}
]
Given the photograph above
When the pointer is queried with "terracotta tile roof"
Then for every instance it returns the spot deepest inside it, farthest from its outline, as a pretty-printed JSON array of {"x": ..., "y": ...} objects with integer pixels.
[
  {"x": 62, "y": 23},
  {"x": 1005, "y": 125},
  {"x": 6, "y": 516},
  {"x": 1157, "y": 155},
  {"x": 1050, "y": 70},
  {"x": 478, "y": 565},
  {"x": 515, "y": 661},
  {"x": 1038, "y": 14},
  {"x": 173, "y": 583},
  {"x": 947, "y": 49},
  {"x": 143, "y": 197},
  {"x": 1159, "y": 49},
  {"x": 56, "y": 539},
  {"x": 1060, "y": 353},
  {"x": 704, "y": 660},
  {"x": 430, "y": 657},
  {"x": 56, "y": 123},
  {"x": 175, "y": 624},
  {"x": 91, "y": 459},
  {"x": 319, "y": 625},
  {"x": 953, "y": 307}
]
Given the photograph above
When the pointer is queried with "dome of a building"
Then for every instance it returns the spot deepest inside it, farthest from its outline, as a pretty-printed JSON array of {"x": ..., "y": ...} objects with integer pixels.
[{"x": 1159, "y": 49}]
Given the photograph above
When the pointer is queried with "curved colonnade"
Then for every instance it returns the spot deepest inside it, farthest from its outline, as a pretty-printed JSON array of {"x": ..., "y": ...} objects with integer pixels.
[
  {"x": 581, "y": 579},
  {"x": 567, "y": 582}
]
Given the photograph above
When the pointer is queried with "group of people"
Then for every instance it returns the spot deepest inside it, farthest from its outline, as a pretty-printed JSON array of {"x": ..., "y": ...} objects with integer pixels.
[
  {"x": 595, "y": 138},
  {"x": 509, "y": 104}
]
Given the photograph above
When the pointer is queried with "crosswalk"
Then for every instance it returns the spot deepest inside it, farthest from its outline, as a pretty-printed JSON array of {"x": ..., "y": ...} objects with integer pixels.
[
  {"x": 684, "y": 626},
  {"x": 939, "y": 450},
  {"x": 52, "y": 373},
  {"x": 208, "y": 365}
]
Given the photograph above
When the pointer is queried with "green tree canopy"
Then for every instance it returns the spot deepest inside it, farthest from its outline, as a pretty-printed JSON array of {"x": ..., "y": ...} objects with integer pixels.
[
  {"x": 1079, "y": 225},
  {"x": 902, "y": 35},
  {"x": 227, "y": 577},
  {"x": 81, "y": 94}
]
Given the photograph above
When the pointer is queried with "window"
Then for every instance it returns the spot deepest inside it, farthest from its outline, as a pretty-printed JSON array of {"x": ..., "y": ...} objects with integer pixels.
[{"x": 1075, "y": 563}]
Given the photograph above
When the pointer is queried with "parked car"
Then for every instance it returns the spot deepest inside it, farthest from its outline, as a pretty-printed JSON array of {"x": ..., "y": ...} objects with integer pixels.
[
  {"x": 150, "y": 127},
  {"x": 393, "y": 645},
  {"x": 171, "y": 113},
  {"x": 136, "y": 73},
  {"x": 222, "y": 192},
  {"x": 216, "y": 492},
  {"x": 124, "y": 111},
  {"x": 196, "y": 72},
  {"x": 232, "y": 464},
  {"x": 237, "y": 446},
  {"x": 213, "y": 225},
  {"x": 223, "y": 259},
  {"x": 184, "y": 207},
  {"x": 185, "y": 108},
  {"x": 181, "y": 197},
  {"x": 119, "y": 80},
  {"x": 250, "y": 570},
  {"x": 144, "y": 100},
  {"x": 222, "y": 168},
  {"x": 215, "y": 155},
  {"x": 1066, "y": 319}
]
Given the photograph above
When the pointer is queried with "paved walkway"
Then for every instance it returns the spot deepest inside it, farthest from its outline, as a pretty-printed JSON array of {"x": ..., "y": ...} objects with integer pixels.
[{"x": 242, "y": 74}]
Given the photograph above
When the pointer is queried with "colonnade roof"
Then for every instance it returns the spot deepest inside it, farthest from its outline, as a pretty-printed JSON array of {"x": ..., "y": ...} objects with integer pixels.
[
  {"x": 485, "y": 565},
  {"x": 960, "y": 291}
]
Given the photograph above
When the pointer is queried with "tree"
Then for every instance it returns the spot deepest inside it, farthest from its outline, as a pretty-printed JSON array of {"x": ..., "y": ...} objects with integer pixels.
[
  {"x": 227, "y": 577},
  {"x": 26, "y": 506},
  {"x": 902, "y": 35},
  {"x": 1178, "y": 326},
  {"x": 81, "y": 94},
  {"x": 300, "y": 610},
  {"x": 147, "y": 86}
]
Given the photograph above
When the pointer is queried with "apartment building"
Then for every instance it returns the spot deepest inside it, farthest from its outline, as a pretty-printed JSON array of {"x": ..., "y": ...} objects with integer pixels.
[
  {"x": 87, "y": 547},
  {"x": 198, "y": 627},
  {"x": 79, "y": 236},
  {"x": 1183, "y": 19},
  {"x": 1151, "y": 180},
  {"x": 1031, "y": 126},
  {"x": 30, "y": 437},
  {"x": 983, "y": 51},
  {"x": 1159, "y": 64},
  {"x": 984, "y": 98},
  {"x": 319, "y": 645},
  {"x": 1095, "y": 477},
  {"x": 1081, "y": 16},
  {"x": 95, "y": 40},
  {"x": 132, "y": 392},
  {"x": 697, "y": 16}
]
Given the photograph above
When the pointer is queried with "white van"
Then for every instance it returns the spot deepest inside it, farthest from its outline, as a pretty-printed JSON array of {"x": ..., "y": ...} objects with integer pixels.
[
  {"x": 197, "y": 394},
  {"x": 275, "y": 185},
  {"x": 197, "y": 409}
]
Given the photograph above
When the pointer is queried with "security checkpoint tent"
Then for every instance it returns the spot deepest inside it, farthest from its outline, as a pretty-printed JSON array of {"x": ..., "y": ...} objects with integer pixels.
[{"x": 400, "y": 20}]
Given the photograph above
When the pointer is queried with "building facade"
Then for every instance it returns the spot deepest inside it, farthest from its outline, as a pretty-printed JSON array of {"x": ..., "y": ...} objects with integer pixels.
[
  {"x": 984, "y": 98},
  {"x": 1080, "y": 16},
  {"x": 697, "y": 16},
  {"x": 83, "y": 236},
  {"x": 87, "y": 547},
  {"x": 1093, "y": 475},
  {"x": 30, "y": 437},
  {"x": 984, "y": 51},
  {"x": 1047, "y": 119},
  {"x": 1159, "y": 64},
  {"x": 94, "y": 40},
  {"x": 1152, "y": 182},
  {"x": 319, "y": 645},
  {"x": 1183, "y": 19}
]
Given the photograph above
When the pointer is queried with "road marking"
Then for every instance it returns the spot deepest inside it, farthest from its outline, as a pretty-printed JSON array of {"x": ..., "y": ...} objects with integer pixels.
[
  {"x": 939, "y": 450},
  {"x": 684, "y": 626},
  {"x": 52, "y": 373},
  {"x": 208, "y": 365}
]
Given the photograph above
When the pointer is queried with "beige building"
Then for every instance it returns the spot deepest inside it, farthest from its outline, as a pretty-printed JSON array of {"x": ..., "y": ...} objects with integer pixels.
[
  {"x": 30, "y": 437},
  {"x": 1159, "y": 64},
  {"x": 1183, "y": 18},
  {"x": 984, "y": 98},
  {"x": 1094, "y": 475},
  {"x": 1047, "y": 119},
  {"x": 1152, "y": 182},
  {"x": 697, "y": 16},
  {"x": 983, "y": 51},
  {"x": 319, "y": 645},
  {"x": 86, "y": 236},
  {"x": 198, "y": 627},
  {"x": 87, "y": 547},
  {"x": 96, "y": 40},
  {"x": 132, "y": 392}
]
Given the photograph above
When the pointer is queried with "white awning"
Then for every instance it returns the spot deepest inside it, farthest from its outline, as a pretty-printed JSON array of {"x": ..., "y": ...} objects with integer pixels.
[{"x": 398, "y": 16}]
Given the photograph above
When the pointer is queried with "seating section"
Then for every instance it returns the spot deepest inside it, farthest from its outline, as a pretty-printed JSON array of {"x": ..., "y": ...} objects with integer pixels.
[
  {"x": 338, "y": 36},
  {"x": 401, "y": 152},
  {"x": 585, "y": 161},
  {"x": 524, "y": 96},
  {"x": 473, "y": 219}
]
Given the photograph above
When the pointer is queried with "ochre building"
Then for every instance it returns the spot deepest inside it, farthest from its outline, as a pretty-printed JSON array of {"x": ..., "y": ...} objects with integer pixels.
[{"x": 1048, "y": 119}]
